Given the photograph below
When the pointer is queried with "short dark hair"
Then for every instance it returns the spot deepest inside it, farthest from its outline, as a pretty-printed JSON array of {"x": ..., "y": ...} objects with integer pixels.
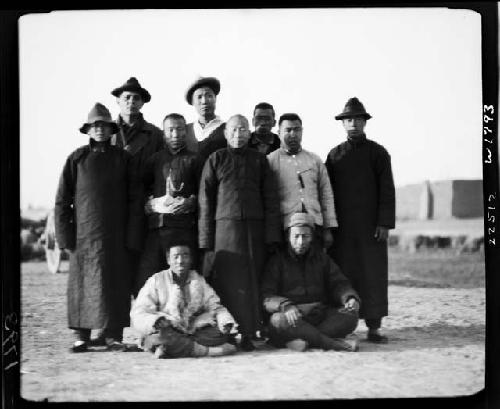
[
  {"x": 289, "y": 117},
  {"x": 263, "y": 105},
  {"x": 178, "y": 243},
  {"x": 174, "y": 116}
]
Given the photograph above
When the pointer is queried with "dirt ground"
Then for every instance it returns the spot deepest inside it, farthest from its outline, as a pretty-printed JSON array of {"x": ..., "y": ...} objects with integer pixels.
[{"x": 436, "y": 348}]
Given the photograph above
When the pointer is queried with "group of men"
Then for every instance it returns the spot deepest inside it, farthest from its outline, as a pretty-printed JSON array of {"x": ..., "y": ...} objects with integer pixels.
[{"x": 220, "y": 234}]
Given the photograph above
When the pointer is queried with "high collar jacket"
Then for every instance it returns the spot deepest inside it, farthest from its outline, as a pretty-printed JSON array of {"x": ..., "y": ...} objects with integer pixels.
[{"x": 236, "y": 184}]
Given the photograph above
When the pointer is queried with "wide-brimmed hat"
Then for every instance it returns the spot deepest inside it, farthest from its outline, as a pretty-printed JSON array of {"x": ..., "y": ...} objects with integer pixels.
[
  {"x": 301, "y": 219},
  {"x": 132, "y": 85},
  {"x": 210, "y": 82},
  {"x": 99, "y": 113},
  {"x": 353, "y": 108}
]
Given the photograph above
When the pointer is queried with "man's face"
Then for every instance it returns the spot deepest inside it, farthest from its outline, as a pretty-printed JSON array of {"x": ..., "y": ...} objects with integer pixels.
[
  {"x": 175, "y": 133},
  {"x": 179, "y": 259},
  {"x": 100, "y": 131},
  {"x": 237, "y": 132},
  {"x": 204, "y": 100},
  {"x": 354, "y": 125},
  {"x": 300, "y": 239},
  {"x": 130, "y": 103},
  {"x": 290, "y": 133},
  {"x": 263, "y": 120}
]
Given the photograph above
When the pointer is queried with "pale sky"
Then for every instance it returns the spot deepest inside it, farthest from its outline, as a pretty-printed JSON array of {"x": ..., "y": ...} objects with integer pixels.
[{"x": 417, "y": 71}]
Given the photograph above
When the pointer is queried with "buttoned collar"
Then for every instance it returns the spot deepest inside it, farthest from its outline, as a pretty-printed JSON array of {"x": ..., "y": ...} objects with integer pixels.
[{"x": 284, "y": 151}]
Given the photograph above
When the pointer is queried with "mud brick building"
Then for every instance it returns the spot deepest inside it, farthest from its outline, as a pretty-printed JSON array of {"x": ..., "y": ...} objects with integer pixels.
[{"x": 439, "y": 200}]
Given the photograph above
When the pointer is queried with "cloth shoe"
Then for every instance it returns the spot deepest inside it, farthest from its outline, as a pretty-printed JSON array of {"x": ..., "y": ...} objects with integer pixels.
[
  {"x": 114, "y": 345},
  {"x": 79, "y": 346},
  {"x": 298, "y": 345},
  {"x": 377, "y": 338},
  {"x": 246, "y": 343},
  {"x": 160, "y": 352},
  {"x": 349, "y": 344},
  {"x": 224, "y": 349}
]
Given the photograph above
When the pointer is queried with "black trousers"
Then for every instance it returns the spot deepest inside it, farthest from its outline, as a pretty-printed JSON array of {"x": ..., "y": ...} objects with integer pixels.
[
  {"x": 317, "y": 327},
  {"x": 179, "y": 345}
]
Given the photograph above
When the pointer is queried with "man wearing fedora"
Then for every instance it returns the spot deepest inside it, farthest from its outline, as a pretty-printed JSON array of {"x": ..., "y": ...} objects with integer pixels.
[
  {"x": 302, "y": 180},
  {"x": 361, "y": 176},
  {"x": 137, "y": 136},
  {"x": 98, "y": 211},
  {"x": 206, "y": 134},
  {"x": 310, "y": 302}
]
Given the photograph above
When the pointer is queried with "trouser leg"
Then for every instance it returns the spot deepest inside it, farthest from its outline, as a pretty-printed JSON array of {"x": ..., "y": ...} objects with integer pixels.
[
  {"x": 210, "y": 336},
  {"x": 280, "y": 332},
  {"x": 373, "y": 323},
  {"x": 338, "y": 324},
  {"x": 175, "y": 344},
  {"x": 113, "y": 332},
  {"x": 81, "y": 334}
]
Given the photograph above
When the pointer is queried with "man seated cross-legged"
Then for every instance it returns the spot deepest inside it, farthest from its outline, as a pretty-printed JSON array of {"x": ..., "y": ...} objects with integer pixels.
[
  {"x": 312, "y": 304},
  {"x": 179, "y": 315}
]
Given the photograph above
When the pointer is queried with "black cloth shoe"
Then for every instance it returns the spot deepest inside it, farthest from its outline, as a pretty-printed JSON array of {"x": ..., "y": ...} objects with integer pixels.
[
  {"x": 79, "y": 348},
  {"x": 100, "y": 341},
  {"x": 377, "y": 338},
  {"x": 114, "y": 345},
  {"x": 246, "y": 344}
]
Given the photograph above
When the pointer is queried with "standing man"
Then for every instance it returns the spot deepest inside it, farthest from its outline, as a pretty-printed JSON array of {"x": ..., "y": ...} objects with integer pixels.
[
  {"x": 171, "y": 184},
  {"x": 239, "y": 215},
  {"x": 263, "y": 121},
  {"x": 97, "y": 218},
  {"x": 206, "y": 134},
  {"x": 302, "y": 180},
  {"x": 361, "y": 176},
  {"x": 137, "y": 136}
]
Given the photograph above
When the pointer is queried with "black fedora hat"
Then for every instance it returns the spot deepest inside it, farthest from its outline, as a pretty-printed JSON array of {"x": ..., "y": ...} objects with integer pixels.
[
  {"x": 99, "y": 113},
  {"x": 210, "y": 82},
  {"x": 132, "y": 85},
  {"x": 352, "y": 108}
]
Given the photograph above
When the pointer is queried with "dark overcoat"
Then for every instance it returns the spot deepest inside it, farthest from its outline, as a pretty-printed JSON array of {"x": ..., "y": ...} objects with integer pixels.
[
  {"x": 239, "y": 214},
  {"x": 97, "y": 216},
  {"x": 363, "y": 189}
]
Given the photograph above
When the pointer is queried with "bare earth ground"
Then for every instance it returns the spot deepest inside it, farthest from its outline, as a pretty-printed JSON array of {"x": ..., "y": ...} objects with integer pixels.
[{"x": 436, "y": 327}]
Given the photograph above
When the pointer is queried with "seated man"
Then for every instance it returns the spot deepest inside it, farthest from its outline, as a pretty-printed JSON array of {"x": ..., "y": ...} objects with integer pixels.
[
  {"x": 179, "y": 315},
  {"x": 311, "y": 301}
]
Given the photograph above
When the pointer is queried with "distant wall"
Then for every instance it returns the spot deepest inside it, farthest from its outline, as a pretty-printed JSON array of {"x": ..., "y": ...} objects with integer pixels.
[
  {"x": 467, "y": 198},
  {"x": 440, "y": 200},
  {"x": 407, "y": 201},
  {"x": 443, "y": 197}
]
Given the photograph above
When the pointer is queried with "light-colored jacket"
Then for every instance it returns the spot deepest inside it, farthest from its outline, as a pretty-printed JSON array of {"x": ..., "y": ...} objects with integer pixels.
[
  {"x": 303, "y": 179},
  {"x": 186, "y": 309}
]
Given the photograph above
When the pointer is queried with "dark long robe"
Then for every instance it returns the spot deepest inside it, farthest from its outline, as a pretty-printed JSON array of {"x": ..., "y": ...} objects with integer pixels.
[
  {"x": 239, "y": 214},
  {"x": 98, "y": 217},
  {"x": 364, "y": 194}
]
